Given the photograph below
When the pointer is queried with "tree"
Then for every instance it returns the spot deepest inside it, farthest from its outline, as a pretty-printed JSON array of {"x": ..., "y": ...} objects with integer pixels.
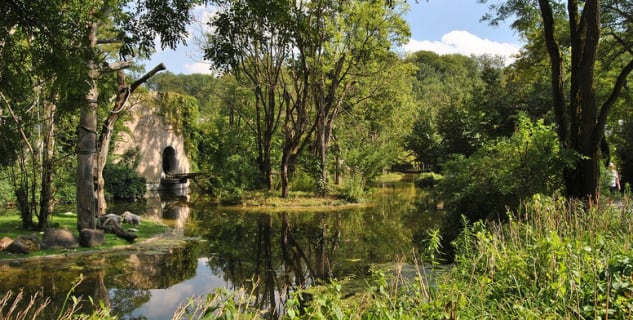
[
  {"x": 445, "y": 120},
  {"x": 303, "y": 60},
  {"x": 580, "y": 114},
  {"x": 38, "y": 50},
  {"x": 251, "y": 39},
  {"x": 105, "y": 137},
  {"x": 341, "y": 42},
  {"x": 132, "y": 27}
]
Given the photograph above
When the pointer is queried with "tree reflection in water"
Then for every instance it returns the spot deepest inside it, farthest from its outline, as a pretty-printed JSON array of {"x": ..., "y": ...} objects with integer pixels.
[{"x": 270, "y": 254}]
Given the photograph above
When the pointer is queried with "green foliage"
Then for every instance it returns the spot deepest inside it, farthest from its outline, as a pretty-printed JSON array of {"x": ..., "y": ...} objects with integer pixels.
[
  {"x": 354, "y": 187},
  {"x": 123, "y": 182},
  {"x": 425, "y": 142},
  {"x": 428, "y": 179},
  {"x": 226, "y": 154},
  {"x": 182, "y": 113},
  {"x": 499, "y": 175},
  {"x": 557, "y": 261},
  {"x": 6, "y": 189},
  {"x": 613, "y": 295}
]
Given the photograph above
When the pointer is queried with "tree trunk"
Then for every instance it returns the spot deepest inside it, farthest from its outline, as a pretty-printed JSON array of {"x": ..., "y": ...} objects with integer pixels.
[
  {"x": 103, "y": 146},
  {"x": 87, "y": 147},
  {"x": 580, "y": 125},
  {"x": 48, "y": 153},
  {"x": 284, "y": 172}
]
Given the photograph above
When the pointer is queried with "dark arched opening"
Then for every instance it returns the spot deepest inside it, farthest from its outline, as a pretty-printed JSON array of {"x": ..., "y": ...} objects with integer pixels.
[{"x": 169, "y": 160}]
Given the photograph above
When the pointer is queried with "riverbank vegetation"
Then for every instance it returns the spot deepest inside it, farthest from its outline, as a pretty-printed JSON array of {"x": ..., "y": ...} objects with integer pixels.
[{"x": 552, "y": 259}]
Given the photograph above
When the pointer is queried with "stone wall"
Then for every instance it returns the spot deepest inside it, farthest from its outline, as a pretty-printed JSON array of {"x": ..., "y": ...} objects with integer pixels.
[{"x": 160, "y": 148}]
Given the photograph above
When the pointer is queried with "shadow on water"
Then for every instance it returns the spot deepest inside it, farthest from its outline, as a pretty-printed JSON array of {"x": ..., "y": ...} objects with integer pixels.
[{"x": 269, "y": 254}]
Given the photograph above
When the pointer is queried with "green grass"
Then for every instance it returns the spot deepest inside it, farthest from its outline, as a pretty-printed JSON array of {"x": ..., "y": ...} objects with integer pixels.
[
  {"x": 11, "y": 226},
  {"x": 296, "y": 200}
]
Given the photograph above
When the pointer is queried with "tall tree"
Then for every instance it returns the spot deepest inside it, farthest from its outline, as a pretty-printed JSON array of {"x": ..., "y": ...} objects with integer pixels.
[
  {"x": 580, "y": 114},
  {"x": 105, "y": 137},
  {"x": 346, "y": 37},
  {"x": 132, "y": 27},
  {"x": 251, "y": 39},
  {"x": 304, "y": 57}
]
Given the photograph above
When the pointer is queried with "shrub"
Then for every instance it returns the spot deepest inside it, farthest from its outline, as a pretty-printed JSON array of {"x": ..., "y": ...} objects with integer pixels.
[
  {"x": 428, "y": 179},
  {"x": 353, "y": 187},
  {"x": 122, "y": 182},
  {"x": 499, "y": 175}
]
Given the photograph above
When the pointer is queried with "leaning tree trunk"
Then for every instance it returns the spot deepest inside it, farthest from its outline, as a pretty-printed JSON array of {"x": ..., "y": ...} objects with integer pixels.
[
  {"x": 103, "y": 145},
  {"x": 105, "y": 137},
  {"x": 284, "y": 172}
]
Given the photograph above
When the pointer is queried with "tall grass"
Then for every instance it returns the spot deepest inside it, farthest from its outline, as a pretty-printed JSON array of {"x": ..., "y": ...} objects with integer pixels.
[
  {"x": 14, "y": 306},
  {"x": 554, "y": 259}
]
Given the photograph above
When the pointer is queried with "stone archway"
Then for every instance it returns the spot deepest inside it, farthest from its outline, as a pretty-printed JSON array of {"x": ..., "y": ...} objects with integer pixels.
[{"x": 170, "y": 163}]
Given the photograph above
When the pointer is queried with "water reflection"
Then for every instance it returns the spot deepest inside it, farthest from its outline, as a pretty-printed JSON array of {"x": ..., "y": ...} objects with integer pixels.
[
  {"x": 118, "y": 281},
  {"x": 268, "y": 253},
  {"x": 288, "y": 250}
]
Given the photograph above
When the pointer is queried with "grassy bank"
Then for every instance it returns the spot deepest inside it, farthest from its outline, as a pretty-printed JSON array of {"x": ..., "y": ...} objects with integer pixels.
[{"x": 11, "y": 226}]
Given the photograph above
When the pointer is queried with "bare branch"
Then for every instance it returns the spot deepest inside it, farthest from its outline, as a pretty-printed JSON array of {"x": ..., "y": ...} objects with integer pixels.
[{"x": 108, "y": 41}]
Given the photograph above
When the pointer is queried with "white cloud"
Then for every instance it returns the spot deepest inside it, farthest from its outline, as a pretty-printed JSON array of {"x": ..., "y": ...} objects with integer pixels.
[
  {"x": 197, "y": 67},
  {"x": 466, "y": 43}
]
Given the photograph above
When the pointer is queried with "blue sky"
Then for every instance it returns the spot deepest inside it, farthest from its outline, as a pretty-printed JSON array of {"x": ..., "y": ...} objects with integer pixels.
[{"x": 442, "y": 26}]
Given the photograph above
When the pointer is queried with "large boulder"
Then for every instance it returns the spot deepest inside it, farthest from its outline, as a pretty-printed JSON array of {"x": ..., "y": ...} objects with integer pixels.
[
  {"x": 129, "y": 217},
  {"x": 91, "y": 237},
  {"x": 24, "y": 244},
  {"x": 5, "y": 242},
  {"x": 59, "y": 238},
  {"x": 108, "y": 221}
]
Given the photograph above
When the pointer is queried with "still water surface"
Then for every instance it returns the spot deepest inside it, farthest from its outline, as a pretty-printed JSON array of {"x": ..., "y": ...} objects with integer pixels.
[{"x": 225, "y": 247}]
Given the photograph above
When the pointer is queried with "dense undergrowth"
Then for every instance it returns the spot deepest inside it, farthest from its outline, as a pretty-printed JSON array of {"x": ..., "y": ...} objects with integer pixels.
[{"x": 552, "y": 259}]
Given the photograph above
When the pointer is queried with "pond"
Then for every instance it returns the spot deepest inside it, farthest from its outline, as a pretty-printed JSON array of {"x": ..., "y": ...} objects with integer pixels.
[{"x": 225, "y": 247}]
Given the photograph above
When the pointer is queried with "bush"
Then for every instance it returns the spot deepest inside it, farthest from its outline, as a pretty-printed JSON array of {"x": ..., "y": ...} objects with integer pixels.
[
  {"x": 500, "y": 175},
  {"x": 6, "y": 191},
  {"x": 353, "y": 188},
  {"x": 122, "y": 182},
  {"x": 428, "y": 179}
]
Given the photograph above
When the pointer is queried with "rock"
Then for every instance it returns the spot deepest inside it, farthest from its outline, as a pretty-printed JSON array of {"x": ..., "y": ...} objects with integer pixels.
[
  {"x": 111, "y": 223},
  {"x": 24, "y": 245},
  {"x": 108, "y": 220},
  {"x": 59, "y": 238},
  {"x": 91, "y": 238},
  {"x": 129, "y": 217},
  {"x": 5, "y": 242}
]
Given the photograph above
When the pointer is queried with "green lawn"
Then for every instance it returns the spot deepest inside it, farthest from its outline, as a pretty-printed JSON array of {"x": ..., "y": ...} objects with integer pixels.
[{"x": 11, "y": 226}]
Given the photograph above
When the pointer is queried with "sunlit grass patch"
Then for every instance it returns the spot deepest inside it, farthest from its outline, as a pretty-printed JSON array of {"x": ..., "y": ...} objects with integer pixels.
[{"x": 11, "y": 226}]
